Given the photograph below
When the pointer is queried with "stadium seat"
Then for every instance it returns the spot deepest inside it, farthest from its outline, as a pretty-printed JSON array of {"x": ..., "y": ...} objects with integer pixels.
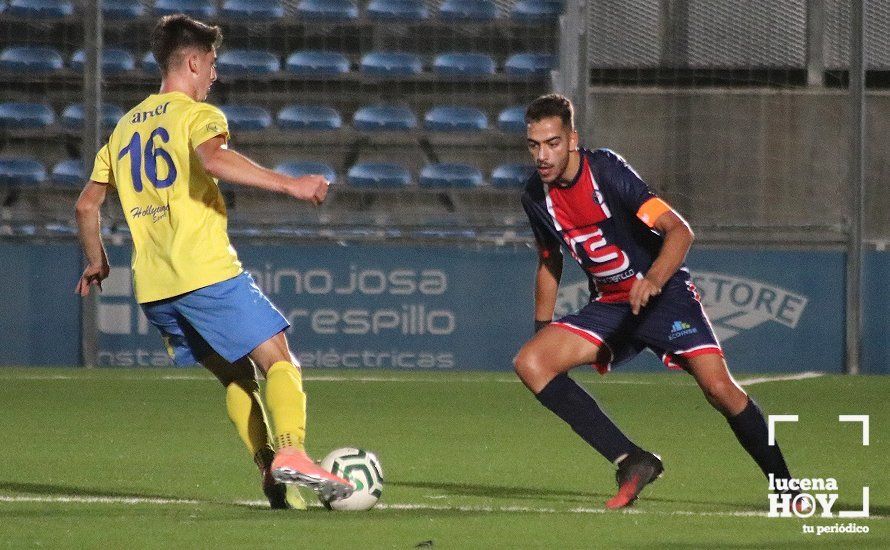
[
  {"x": 114, "y": 61},
  {"x": 530, "y": 64},
  {"x": 69, "y": 173},
  {"x": 201, "y": 9},
  {"x": 397, "y": 10},
  {"x": 468, "y": 10},
  {"x": 21, "y": 171},
  {"x": 327, "y": 10},
  {"x": 73, "y": 115},
  {"x": 149, "y": 64},
  {"x": 447, "y": 174},
  {"x": 512, "y": 120},
  {"x": 122, "y": 9},
  {"x": 247, "y": 118},
  {"x": 297, "y": 168},
  {"x": 536, "y": 11},
  {"x": 378, "y": 175},
  {"x": 253, "y": 11},
  {"x": 384, "y": 118},
  {"x": 24, "y": 116},
  {"x": 40, "y": 9},
  {"x": 511, "y": 176},
  {"x": 445, "y": 118},
  {"x": 31, "y": 59},
  {"x": 464, "y": 64},
  {"x": 315, "y": 62},
  {"x": 309, "y": 117},
  {"x": 247, "y": 63},
  {"x": 393, "y": 64}
]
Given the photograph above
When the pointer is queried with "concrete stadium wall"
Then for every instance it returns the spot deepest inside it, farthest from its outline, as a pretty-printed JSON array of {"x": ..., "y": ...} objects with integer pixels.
[{"x": 744, "y": 158}]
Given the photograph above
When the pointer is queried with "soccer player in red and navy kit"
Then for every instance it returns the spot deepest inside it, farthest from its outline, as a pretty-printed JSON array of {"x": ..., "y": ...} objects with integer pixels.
[{"x": 632, "y": 245}]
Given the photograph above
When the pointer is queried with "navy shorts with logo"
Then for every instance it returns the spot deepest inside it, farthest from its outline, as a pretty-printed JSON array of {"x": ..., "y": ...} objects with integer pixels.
[{"x": 673, "y": 325}]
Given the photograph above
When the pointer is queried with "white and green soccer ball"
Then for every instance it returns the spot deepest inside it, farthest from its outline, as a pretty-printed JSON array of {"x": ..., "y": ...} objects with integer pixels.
[{"x": 363, "y": 469}]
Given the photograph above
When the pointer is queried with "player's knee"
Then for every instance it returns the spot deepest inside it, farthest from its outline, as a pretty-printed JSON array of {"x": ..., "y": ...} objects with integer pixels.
[
  {"x": 528, "y": 362},
  {"x": 723, "y": 395}
]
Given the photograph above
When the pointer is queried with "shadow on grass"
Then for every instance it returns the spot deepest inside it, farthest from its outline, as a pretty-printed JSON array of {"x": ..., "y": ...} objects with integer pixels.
[
  {"x": 46, "y": 489},
  {"x": 587, "y": 498}
]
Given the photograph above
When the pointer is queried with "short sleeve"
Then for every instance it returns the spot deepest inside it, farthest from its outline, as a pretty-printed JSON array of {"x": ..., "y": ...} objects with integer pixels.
[
  {"x": 207, "y": 122},
  {"x": 543, "y": 237},
  {"x": 102, "y": 167},
  {"x": 632, "y": 190}
]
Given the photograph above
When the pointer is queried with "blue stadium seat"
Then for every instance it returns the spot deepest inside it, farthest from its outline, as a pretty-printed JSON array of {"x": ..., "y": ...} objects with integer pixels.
[
  {"x": 21, "y": 171},
  {"x": 384, "y": 118},
  {"x": 464, "y": 64},
  {"x": 247, "y": 118},
  {"x": 394, "y": 64},
  {"x": 69, "y": 173},
  {"x": 448, "y": 174},
  {"x": 512, "y": 120},
  {"x": 315, "y": 62},
  {"x": 122, "y": 9},
  {"x": 114, "y": 61},
  {"x": 73, "y": 115},
  {"x": 150, "y": 64},
  {"x": 40, "y": 9},
  {"x": 23, "y": 116},
  {"x": 297, "y": 168},
  {"x": 397, "y": 10},
  {"x": 309, "y": 117},
  {"x": 378, "y": 175},
  {"x": 536, "y": 11},
  {"x": 327, "y": 10},
  {"x": 201, "y": 9},
  {"x": 530, "y": 64},
  {"x": 30, "y": 59},
  {"x": 468, "y": 10},
  {"x": 253, "y": 11},
  {"x": 247, "y": 63},
  {"x": 446, "y": 118},
  {"x": 511, "y": 176}
]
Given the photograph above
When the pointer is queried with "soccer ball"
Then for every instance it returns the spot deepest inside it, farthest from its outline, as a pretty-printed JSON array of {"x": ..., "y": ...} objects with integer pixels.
[{"x": 363, "y": 469}]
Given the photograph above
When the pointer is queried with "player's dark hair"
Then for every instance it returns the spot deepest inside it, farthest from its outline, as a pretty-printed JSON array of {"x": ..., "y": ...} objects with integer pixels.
[
  {"x": 551, "y": 105},
  {"x": 174, "y": 33}
]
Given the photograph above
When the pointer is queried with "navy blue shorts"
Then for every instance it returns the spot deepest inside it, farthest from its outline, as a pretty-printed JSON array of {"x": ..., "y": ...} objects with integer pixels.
[
  {"x": 231, "y": 317},
  {"x": 673, "y": 325}
]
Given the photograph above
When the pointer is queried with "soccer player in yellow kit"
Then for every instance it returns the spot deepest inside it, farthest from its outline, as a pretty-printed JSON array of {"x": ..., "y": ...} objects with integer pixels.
[{"x": 164, "y": 158}]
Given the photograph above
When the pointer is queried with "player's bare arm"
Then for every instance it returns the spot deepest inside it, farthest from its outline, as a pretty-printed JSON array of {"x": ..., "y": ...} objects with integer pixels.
[
  {"x": 678, "y": 239},
  {"x": 88, "y": 230},
  {"x": 547, "y": 280},
  {"x": 233, "y": 167}
]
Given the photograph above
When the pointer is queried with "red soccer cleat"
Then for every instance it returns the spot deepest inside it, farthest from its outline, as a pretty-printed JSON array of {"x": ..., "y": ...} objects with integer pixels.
[{"x": 635, "y": 471}]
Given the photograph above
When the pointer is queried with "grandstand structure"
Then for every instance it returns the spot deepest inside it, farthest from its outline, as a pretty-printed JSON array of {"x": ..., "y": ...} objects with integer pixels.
[{"x": 413, "y": 109}]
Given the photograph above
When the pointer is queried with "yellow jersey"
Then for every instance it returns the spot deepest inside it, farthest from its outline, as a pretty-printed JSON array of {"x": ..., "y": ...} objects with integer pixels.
[{"x": 173, "y": 207}]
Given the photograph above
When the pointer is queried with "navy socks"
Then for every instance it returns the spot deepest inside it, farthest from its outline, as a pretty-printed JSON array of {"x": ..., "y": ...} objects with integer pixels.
[
  {"x": 579, "y": 410},
  {"x": 750, "y": 428}
]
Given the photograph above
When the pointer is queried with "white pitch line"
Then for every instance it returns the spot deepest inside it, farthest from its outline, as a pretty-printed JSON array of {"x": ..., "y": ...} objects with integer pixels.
[
  {"x": 404, "y": 380},
  {"x": 78, "y": 499},
  {"x": 780, "y": 378}
]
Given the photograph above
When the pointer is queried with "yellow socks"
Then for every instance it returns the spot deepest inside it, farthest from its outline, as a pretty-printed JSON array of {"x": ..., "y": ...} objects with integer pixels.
[
  {"x": 246, "y": 413},
  {"x": 287, "y": 404}
]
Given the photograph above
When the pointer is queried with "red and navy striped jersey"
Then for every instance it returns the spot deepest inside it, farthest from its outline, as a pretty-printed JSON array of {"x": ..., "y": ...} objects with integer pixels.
[{"x": 603, "y": 218}]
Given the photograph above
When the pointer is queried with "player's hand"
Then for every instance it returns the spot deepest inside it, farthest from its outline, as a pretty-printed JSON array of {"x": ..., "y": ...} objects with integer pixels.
[
  {"x": 642, "y": 290},
  {"x": 312, "y": 188},
  {"x": 92, "y": 276}
]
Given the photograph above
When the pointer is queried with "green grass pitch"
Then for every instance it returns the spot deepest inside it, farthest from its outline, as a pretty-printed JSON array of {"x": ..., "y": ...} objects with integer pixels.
[{"x": 147, "y": 458}]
